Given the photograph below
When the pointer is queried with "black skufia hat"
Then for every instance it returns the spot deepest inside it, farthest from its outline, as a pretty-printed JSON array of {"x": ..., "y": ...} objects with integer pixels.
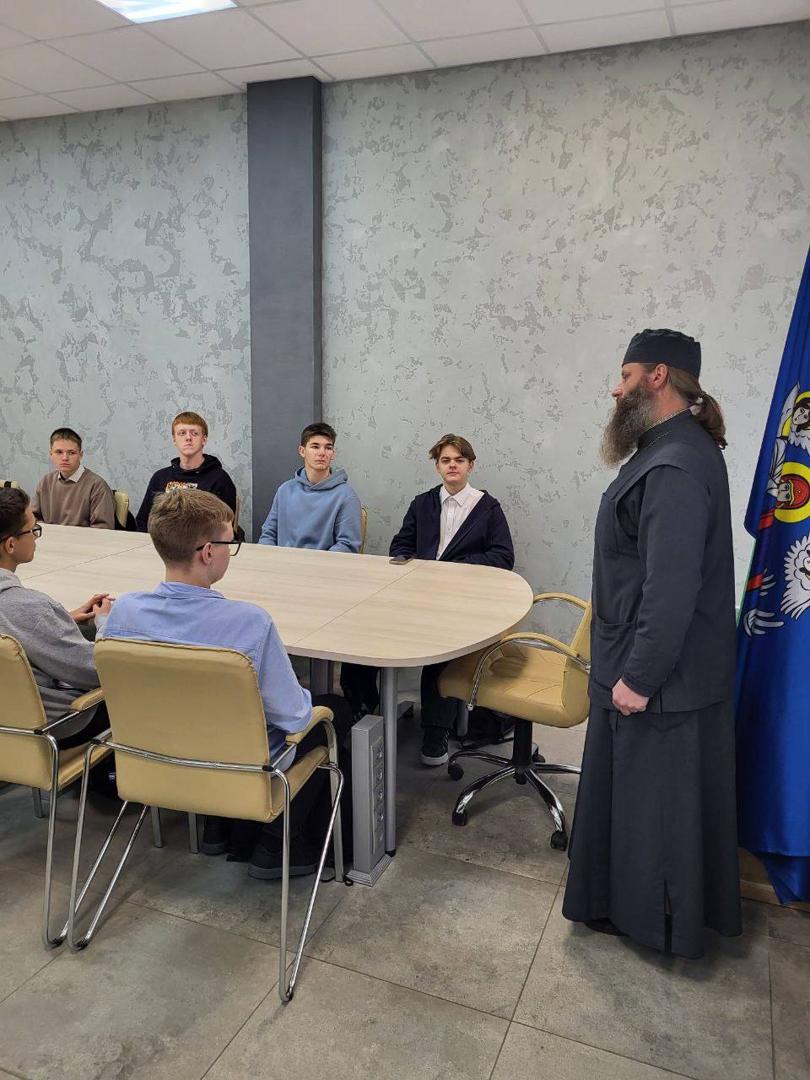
[{"x": 668, "y": 347}]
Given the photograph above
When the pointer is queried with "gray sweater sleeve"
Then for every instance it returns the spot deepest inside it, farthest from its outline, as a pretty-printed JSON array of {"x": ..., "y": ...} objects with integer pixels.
[
  {"x": 671, "y": 542},
  {"x": 56, "y": 646}
]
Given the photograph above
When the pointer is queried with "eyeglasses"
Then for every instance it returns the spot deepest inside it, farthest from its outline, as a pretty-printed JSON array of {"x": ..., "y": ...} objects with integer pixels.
[
  {"x": 36, "y": 532},
  {"x": 233, "y": 545}
]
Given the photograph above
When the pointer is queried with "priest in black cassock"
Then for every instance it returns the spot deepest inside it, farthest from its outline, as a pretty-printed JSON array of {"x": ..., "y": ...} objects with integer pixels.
[{"x": 654, "y": 842}]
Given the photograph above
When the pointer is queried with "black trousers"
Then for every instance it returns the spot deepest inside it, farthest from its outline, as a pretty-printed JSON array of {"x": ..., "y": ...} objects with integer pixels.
[
  {"x": 359, "y": 686},
  {"x": 97, "y": 723}
]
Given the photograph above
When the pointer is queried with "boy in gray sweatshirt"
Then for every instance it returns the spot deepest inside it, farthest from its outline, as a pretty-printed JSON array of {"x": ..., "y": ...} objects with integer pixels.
[{"x": 61, "y": 658}]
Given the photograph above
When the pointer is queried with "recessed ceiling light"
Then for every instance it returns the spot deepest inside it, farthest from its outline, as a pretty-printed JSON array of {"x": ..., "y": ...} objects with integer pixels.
[{"x": 152, "y": 10}]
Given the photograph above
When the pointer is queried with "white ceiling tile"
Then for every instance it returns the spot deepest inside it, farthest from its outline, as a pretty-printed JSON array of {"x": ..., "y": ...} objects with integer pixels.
[
  {"x": 730, "y": 14},
  {"x": 616, "y": 30},
  {"x": 57, "y": 18},
  {"x": 478, "y": 48},
  {"x": 39, "y": 67},
  {"x": 552, "y": 11},
  {"x": 315, "y": 27},
  {"x": 10, "y": 89},
  {"x": 116, "y": 96},
  {"x": 424, "y": 19},
  {"x": 363, "y": 65},
  {"x": 286, "y": 69},
  {"x": 127, "y": 54},
  {"x": 223, "y": 39},
  {"x": 10, "y": 38},
  {"x": 29, "y": 107},
  {"x": 205, "y": 84}
]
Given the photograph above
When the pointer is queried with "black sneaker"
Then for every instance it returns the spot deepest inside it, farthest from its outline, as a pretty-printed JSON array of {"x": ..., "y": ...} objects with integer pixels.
[
  {"x": 434, "y": 746},
  {"x": 266, "y": 864},
  {"x": 216, "y": 833}
]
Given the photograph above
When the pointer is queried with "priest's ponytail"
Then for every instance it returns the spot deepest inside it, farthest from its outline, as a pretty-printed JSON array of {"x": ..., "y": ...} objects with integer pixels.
[{"x": 704, "y": 407}]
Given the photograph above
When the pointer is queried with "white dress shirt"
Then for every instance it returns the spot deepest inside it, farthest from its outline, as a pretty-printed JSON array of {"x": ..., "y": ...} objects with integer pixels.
[
  {"x": 75, "y": 478},
  {"x": 455, "y": 511}
]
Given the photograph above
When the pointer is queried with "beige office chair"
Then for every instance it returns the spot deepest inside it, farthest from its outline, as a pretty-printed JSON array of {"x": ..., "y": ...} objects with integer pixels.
[
  {"x": 29, "y": 754},
  {"x": 121, "y": 507},
  {"x": 537, "y": 680},
  {"x": 189, "y": 733},
  {"x": 363, "y": 528}
]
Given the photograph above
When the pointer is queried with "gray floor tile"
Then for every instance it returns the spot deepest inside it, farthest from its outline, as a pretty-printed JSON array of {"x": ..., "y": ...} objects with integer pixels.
[
  {"x": 790, "y": 981},
  {"x": 789, "y": 924},
  {"x": 23, "y": 837},
  {"x": 508, "y": 829},
  {"x": 706, "y": 1018},
  {"x": 364, "y": 1028},
  {"x": 153, "y": 997},
  {"x": 7, "y": 1076},
  {"x": 530, "y": 1053},
  {"x": 21, "y": 949},
  {"x": 219, "y": 893},
  {"x": 465, "y": 933}
]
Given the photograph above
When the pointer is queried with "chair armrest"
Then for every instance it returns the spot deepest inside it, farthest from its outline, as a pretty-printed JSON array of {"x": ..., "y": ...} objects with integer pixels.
[
  {"x": 575, "y": 600},
  {"x": 86, "y": 701},
  {"x": 319, "y": 714},
  {"x": 77, "y": 706},
  {"x": 533, "y": 640}
]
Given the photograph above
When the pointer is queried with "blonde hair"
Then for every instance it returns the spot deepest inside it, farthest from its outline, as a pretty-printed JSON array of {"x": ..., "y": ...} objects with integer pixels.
[{"x": 182, "y": 519}]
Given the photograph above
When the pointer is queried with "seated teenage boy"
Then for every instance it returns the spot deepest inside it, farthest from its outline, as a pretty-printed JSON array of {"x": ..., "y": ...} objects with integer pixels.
[
  {"x": 453, "y": 522},
  {"x": 316, "y": 508},
  {"x": 191, "y": 469},
  {"x": 61, "y": 658},
  {"x": 71, "y": 494},
  {"x": 193, "y": 533}
]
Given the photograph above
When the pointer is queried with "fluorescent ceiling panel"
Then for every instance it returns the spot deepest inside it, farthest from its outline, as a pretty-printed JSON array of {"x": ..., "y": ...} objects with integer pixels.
[{"x": 151, "y": 10}]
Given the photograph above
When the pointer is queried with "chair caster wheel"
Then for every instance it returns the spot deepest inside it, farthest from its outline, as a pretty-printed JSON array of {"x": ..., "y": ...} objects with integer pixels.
[
  {"x": 455, "y": 772},
  {"x": 538, "y": 758},
  {"x": 459, "y": 817},
  {"x": 559, "y": 840}
]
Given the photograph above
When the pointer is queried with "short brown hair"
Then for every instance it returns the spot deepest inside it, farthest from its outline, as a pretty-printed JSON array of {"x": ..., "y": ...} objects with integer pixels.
[
  {"x": 182, "y": 519},
  {"x": 66, "y": 433},
  {"x": 190, "y": 418},
  {"x": 312, "y": 430},
  {"x": 13, "y": 504},
  {"x": 456, "y": 441}
]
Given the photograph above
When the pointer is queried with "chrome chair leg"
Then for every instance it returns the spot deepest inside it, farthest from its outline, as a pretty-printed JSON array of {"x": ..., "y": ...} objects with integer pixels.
[
  {"x": 39, "y": 810},
  {"x": 76, "y": 943},
  {"x": 48, "y": 941},
  {"x": 286, "y": 988},
  {"x": 193, "y": 835},
  {"x": 157, "y": 832},
  {"x": 480, "y": 755},
  {"x": 553, "y": 804},
  {"x": 544, "y": 767},
  {"x": 466, "y": 797}
]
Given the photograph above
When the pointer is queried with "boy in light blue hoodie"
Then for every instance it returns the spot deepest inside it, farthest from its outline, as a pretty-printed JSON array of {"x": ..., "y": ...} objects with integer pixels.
[{"x": 316, "y": 508}]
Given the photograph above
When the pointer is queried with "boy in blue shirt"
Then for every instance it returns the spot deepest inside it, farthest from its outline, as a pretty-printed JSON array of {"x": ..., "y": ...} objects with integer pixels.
[
  {"x": 316, "y": 508},
  {"x": 192, "y": 531}
]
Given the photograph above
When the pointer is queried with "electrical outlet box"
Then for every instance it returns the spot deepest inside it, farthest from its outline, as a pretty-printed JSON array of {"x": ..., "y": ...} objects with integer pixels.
[{"x": 368, "y": 800}]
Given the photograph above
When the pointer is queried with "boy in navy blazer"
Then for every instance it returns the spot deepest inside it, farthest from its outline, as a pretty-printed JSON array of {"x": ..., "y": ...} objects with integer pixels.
[{"x": 453, "y": 522}]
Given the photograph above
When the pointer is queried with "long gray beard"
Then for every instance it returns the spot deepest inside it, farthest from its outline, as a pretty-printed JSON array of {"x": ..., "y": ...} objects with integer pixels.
[{"x": 632, "y": 416}]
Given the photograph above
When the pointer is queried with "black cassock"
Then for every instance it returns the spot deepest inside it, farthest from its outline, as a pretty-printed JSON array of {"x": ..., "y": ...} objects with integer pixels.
[{"x": 655, "y": 829}]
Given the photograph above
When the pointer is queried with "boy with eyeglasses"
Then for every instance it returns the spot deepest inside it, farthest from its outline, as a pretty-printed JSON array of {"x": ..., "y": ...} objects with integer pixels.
[
  {"x": 61, "y": 658},
  {"x": 193, "y": 534},
  {"x": 71, "y": 494}
]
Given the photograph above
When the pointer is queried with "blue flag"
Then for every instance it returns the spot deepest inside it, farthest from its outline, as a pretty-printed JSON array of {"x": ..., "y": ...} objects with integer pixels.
[{"x": 773, "y": 654}]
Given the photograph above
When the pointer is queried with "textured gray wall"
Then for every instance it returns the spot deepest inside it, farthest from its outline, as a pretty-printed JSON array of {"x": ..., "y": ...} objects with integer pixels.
[
  {"x": 124, "y": 287},
  {"x": 494, "y": 234}
]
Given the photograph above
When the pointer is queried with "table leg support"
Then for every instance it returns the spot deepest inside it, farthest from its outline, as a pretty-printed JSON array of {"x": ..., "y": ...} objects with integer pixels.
[{"x": 388, "y": 683}]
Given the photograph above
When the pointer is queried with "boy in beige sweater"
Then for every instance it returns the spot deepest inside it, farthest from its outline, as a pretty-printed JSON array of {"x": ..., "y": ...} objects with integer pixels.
[{"x": 71, "y": 494}]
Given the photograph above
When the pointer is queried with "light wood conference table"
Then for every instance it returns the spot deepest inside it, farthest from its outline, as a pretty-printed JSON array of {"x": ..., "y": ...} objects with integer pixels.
[{"x": 327, "y": 605}]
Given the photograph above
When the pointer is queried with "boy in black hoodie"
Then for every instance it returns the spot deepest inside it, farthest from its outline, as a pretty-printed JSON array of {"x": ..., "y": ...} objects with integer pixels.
[{"x": 192, "y": 469}]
